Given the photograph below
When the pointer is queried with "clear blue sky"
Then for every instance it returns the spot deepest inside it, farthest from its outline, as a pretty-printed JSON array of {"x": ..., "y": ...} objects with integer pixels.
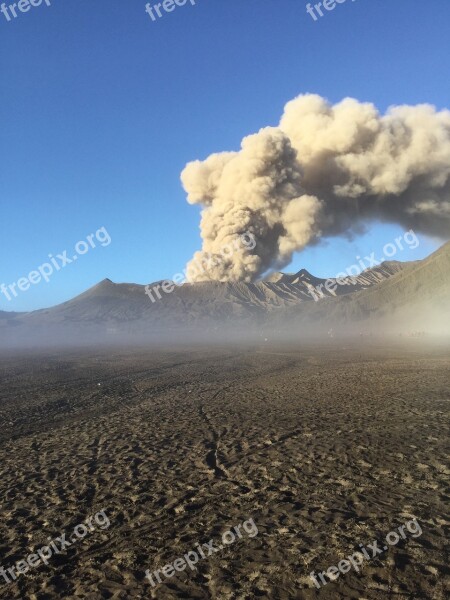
[{"x": 101, "y": 108}]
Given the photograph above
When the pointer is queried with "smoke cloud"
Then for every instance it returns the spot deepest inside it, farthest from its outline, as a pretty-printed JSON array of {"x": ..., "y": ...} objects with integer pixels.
[{"x": 326, "y": 170}]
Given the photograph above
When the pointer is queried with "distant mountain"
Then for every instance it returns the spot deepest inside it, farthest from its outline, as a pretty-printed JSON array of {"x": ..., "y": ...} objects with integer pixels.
[
  {"x": 367, "y": 278},
  {"x": 109, "y": 309},
  {"x": 416, "y": 296}
]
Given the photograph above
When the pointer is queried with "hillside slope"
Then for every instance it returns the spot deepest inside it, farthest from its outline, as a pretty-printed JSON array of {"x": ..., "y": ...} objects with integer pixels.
[{"x": 416, "y": 296}]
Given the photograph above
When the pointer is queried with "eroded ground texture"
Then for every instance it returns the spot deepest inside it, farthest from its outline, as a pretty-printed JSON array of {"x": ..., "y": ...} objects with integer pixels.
[{"x": 325, "y": 447}]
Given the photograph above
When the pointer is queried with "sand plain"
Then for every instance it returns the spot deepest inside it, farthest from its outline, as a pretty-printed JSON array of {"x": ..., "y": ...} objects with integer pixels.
[{"x": 325, "y": 446}]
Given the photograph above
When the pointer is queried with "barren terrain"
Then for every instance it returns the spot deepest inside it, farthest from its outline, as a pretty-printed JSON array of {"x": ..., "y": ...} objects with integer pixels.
[{"x": 323, "y": 446}]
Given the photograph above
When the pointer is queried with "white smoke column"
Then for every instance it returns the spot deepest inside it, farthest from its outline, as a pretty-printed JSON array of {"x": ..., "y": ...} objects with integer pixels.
[{"x": 326, "y": 170}]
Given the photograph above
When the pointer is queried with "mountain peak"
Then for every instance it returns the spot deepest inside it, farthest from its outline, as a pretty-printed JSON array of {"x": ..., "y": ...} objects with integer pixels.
[
  {"x": 300, "y": 276},
  {"x": 303, "y": 273}
]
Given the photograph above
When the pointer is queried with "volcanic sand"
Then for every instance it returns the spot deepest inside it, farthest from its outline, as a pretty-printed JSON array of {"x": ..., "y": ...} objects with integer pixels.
[{"x": 323, "y": 446}]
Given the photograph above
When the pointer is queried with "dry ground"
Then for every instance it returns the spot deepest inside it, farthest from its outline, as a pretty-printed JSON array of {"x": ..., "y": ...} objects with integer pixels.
[{"x": 325, "y": 447}]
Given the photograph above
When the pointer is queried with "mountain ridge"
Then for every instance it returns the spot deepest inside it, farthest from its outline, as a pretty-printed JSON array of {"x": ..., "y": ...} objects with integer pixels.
[{"x": 381, "y": 292}]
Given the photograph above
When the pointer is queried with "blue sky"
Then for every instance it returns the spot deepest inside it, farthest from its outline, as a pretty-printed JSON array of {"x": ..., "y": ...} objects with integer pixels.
[{"x": 101, "y": 108}]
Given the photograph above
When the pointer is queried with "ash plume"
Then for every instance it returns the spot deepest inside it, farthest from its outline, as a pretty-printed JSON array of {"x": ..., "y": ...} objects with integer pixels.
[{"x": 326, "y": 170}]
